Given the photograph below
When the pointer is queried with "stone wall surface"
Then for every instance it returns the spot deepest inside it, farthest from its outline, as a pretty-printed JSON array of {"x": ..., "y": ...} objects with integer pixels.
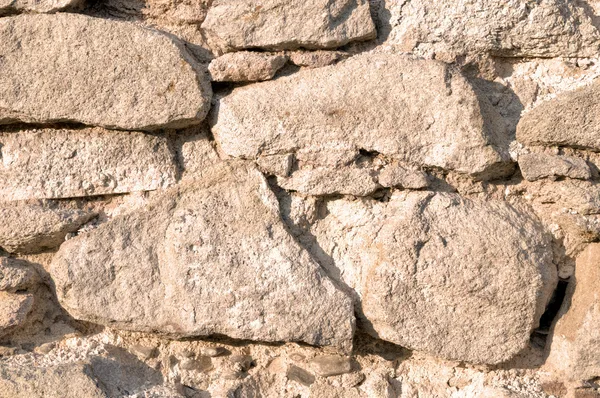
[{"x": 300, "y": 198}]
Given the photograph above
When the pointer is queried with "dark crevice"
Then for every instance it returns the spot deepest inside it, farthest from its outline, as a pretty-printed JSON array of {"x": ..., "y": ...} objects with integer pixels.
[{"x": 539, "y": 335}]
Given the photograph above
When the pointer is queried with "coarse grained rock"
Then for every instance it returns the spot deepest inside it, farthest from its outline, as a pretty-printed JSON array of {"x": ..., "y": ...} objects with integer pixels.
[
  {"x": 66, "y": 163},
  {"x": 571, "y": 119},
  {"x": 330, "y": 181},
  {"x": 74, "y": 68},
  {"x": 16, "y": 275},
  {"x": 447, "y": 29},
  {"x": 32, "y": 228},
  {"x": 14, "y": 308},
  {"x": 211, "y": 257},
  {"x": 460, "y": 279},
  {"x": 45, "y": 6},
  {"x": 535, "y": 166},
  {"x": 349, "y": 105},
  {"x": 73, "y": 380},
  {"x": 574, "y": 347},
  {"x": 289, "y": 24},
  {"x": 245, "y": 66}
]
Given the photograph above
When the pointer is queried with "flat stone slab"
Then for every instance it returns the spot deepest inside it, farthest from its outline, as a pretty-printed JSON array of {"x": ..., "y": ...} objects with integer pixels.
[
  {"x": 375, "y": 102},
  {"x": 74, "y": 68},
  {"x": 210, "y": 257},
  {"x": 289, "y": 24},
  {"x": 66, "y": 163},
  {"x": 41, "y": 6}
]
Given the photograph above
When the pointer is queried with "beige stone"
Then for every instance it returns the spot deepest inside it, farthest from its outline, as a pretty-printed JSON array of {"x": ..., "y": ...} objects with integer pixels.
[
  {"x": 14, "y": 308},
  {"x": 285, "y": 24},
  {"x": 16, "y": 275},
  {"x": 535, "y": 166},
  {"x": 574, "y": 352},
  {"x": 572, "y": 119},
  {"x": 32, "y": 228},
  {"x": 208, "y": 258},
  {"x": 12, "y": 6},
  {"x": 315, "y": 59},
  {"x": 66, "y": 163},
  {"x": 329, "y": 181},
  {"x": 245, "y": 66},
  {"x": 74, "y": 68},
  {"x": 349, "y": 105}
]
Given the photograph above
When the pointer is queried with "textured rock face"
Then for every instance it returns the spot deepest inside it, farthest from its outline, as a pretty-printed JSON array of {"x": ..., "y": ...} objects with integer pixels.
[
  {"x": 575, "y": 348},
  {"x": 14, "y": 309},
  {"x": 503, "y": 28},
  {"x": 210, "y": 258},
  {"x": 103, "y": 73},
  {"x": 280, "y": 24},
  {"x": 245, "y": 66},
  {"x": 461, "y": 279},
  {"x": 535, "y": 166},
  {"x": 29, "y": 228},
  {"x": 349, "y": 105},
  {"x": 571, "y": 119},
  {"x": 65, "y": 163},
  {"x": 16, "y": 275},
  {"x": 12, "y": 6}
]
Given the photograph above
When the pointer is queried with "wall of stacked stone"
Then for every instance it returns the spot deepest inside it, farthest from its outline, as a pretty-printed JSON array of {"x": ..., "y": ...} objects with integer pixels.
[{"x": 299, "y": 198}]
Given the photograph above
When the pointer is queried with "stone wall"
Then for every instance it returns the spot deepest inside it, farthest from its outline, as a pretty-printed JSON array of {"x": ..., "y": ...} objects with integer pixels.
[{"x": 301, "y": 198}]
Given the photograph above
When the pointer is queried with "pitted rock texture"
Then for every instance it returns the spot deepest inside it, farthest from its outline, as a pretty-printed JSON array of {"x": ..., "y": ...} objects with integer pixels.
[
  {"x": 74, "y": 68},
  {"x": 571, "y": 119},
  {"x": 16, "y": 275},
  {"x": 65, "y": 163},
  {"x": 209, "y": 258},
  {"x": 245, "y": 66},
  {"x": 349, "y": 105},
  {"x": 285, "y": 24},
  {"x": 461, "y": 279},
  {"x": 535, "y": 166},
  {"x": 31, "y": 228},
  {"x": 575, "y": 349},
  {"x": 14, "y": 308},
  {"x": 514, "y": 28},
  {"x": 43, "y": 6}
]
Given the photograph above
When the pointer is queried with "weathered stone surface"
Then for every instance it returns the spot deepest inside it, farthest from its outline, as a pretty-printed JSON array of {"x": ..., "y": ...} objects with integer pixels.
[
  {"x": 330, "y": 365},
  {"x": 300, "y": 375},
  {"x": 571, "y": 119},
  {"x": 14, "y": 308},
  {"x": 31, "y": 228},
  {"x": 514, "y": 28},
  {"x": 285, "y": 24},
  {"x": 63, "y": 381},
  {"x": 64, "y": 163},
  {"x": 575, "y": 342},
  {"x": 13, "y": 6},
  {"x": 535, "y": 166},
  {"x": 460, "y": 279},
  {"x": 395, "y": 175},
  {"x": 315, "y": 59},
  {"x": 349, "y": 105},
  {"x": 74, "y": 68},
  {"x": 245, "y": 66},
  {"x": 329, "y": 181},
  {"x": 582, "y": 197},
  {"x": 16, "y": 275},
  {"x": 182, "y": 267}
]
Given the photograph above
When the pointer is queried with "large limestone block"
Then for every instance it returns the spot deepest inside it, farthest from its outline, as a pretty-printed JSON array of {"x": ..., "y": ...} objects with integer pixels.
[
  {"x": 32, "y": 228},
  {"x": 211, "y": 257},
  {"x": 13, "y": 6},
  {"x": 289, "y": 24},
  {"x": 509, "y": 28},
  {"x": 460, "y": 279},
  {"x": 64, "y": 163},
  {"x": 571, "y": 119},
  {"x": 74, "y": 380},
  {"x": 575, "y": 342},
  {"x": 70, "y": 67},
  {"x": 417, "y": 111}
]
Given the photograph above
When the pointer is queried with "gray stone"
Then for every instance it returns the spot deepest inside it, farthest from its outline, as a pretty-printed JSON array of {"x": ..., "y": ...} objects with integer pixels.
[
  {"x": 460, "y": 279},
  {"x": 571, "y": 119},
  {"x": 289, "y": 24},
  {"x": 212, "y": 351},
  {"x": 330, "y": 365},
  {"x": 45, "y": 6},
  {"x": 245, "y": 66},
  {"x": 349, "y": 105},
  {"x": 447, "y": 29},
  {"x": 535, "y": 166},
  {"x": 181, "y": 266},
  {"x": 16, "y": 275},
  {"x": 62, "y": 381},
  {"x": 199, "y": 364},
  {"x": 574, "y": 352},
  {"x": 66, "y": 163},
  {"x": 30, "y": 228},
  {"x": 300, "y": 375},
  {"x": 74, "y": 68}
]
